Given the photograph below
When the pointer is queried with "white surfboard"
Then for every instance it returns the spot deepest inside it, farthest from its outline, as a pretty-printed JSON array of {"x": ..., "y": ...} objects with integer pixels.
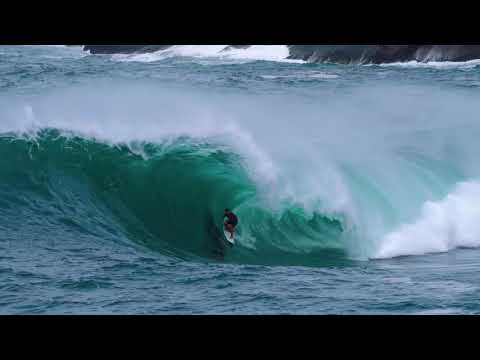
[{"x": 228, "y": 238}]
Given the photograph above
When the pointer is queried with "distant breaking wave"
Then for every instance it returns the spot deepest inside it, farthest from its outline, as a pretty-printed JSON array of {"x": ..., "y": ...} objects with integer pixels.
[{"x": 221, "y": 52}]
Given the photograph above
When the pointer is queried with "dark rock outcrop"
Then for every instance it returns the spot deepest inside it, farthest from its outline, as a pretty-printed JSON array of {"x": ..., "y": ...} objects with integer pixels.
[
  {"x": 383, "y": 53},
  {"x": 375, "y": 54},
  {"x": 447, "y": 52}
]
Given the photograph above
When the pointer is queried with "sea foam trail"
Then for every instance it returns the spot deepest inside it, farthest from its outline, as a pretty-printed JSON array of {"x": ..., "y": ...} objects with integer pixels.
[
  {"x": 277, "y": 53},
  {"x": 442, "y": 226},
  {"x": 446, "y": 65}
]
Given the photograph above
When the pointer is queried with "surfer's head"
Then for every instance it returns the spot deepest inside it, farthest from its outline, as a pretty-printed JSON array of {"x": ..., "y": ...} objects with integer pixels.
[{"x": 227, "y": 211}]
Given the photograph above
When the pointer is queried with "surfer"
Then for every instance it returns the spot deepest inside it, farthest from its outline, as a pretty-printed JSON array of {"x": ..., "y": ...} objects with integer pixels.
[{"x": 231, "y": 222}]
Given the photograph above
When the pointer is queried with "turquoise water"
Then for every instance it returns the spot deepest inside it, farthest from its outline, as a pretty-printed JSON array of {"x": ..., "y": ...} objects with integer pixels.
[{"x": 356, "y": 186}]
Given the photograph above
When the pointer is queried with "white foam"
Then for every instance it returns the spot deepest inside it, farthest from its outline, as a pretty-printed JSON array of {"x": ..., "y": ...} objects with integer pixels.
[
  {"x": 441, "y": 311},
  {"x": 323, "y": 76},
  {"x": 195, "y": 50},
  {"x": 218, "y": 52},
  {"x": 262, "y": 52},
  {"x": 435, "y": 64},
  {"x": 442, "y": 226},
  {"x": 302, "y": 75}
]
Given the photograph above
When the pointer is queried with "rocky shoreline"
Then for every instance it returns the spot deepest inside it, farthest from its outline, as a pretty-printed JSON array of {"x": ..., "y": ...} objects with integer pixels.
[{"x": 345, "y": 54}]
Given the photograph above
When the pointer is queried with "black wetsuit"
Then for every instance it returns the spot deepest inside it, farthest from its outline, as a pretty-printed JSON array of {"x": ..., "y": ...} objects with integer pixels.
[{"x": 231, "y": 219}]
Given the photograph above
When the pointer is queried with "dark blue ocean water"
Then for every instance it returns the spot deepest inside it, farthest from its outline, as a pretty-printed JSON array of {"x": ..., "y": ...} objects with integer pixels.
[{"x": 356, "y": 186}]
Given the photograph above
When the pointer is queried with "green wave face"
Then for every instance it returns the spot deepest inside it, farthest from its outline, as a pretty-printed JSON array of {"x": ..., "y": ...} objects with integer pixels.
[{"x": 167, "y": 196}]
